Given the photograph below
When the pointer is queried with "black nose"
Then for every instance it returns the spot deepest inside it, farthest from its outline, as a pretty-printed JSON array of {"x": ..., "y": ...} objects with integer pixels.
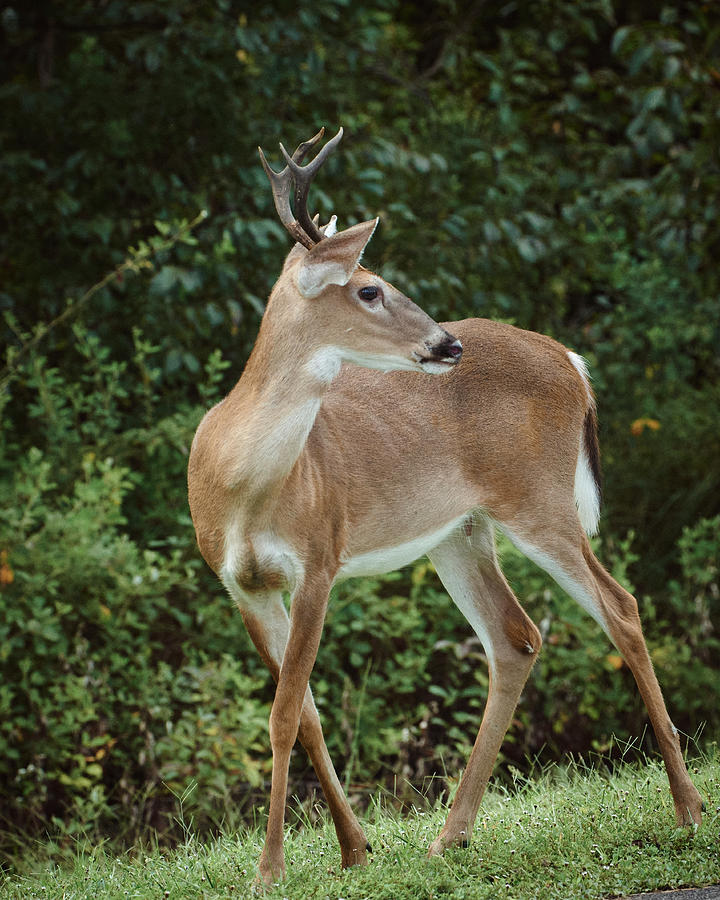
[
  {"x": 454, "y": 349},
  {"x": 449, "y": 348}
]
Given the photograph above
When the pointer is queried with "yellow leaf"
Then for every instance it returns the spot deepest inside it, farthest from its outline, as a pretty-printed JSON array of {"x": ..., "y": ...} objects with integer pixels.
[
  {"x": 7, "y": 576},
  {"x": 639, "y": 425},
  {"x": 615, "y": 661}
]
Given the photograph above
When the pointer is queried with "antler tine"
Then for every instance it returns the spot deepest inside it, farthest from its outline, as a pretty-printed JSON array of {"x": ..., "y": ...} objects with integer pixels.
[
  {"x": 281, "y": 183},
  {"x": 303, "y": 148},
  {"x": 303, "y": 176}
]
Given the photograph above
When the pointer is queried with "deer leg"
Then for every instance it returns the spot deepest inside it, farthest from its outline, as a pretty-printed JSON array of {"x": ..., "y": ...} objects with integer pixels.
[
  {"x": 269, "y": 627},
  {"x": 620, "y": 611},
  {"x": 570, "y": 561},
  {"x": 467, "y": 566},
  {"x": 307, "y": 615}
]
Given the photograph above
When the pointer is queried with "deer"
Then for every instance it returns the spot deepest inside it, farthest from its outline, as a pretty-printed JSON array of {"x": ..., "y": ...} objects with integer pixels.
[{"x": 363, "y": 435}]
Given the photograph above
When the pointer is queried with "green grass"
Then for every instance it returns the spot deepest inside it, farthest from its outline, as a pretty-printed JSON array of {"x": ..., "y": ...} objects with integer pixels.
[{"x": 571, "y": 834}]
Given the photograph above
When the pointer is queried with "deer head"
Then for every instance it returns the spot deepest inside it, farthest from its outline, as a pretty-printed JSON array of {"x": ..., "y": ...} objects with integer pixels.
[{"x": 346, "y": 312}]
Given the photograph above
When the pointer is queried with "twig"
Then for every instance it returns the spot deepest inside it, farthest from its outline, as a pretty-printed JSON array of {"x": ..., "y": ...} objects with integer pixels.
[{"x": 132, "y": 263}]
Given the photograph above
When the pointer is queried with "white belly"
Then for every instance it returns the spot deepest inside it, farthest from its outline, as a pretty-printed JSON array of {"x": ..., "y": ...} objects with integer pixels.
[{"x": 387, "y": 559}]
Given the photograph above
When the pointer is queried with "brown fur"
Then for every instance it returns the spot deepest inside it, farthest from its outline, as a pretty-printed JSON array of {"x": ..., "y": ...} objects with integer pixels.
[{"x": 521, "y": 631}]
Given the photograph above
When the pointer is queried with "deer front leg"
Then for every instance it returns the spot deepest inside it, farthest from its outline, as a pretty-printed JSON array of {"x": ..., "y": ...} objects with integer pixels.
[
  {"x": 268, "y": 625},
  {"x": 467, "y": 566},
  {"x": 307, "y": 615}
]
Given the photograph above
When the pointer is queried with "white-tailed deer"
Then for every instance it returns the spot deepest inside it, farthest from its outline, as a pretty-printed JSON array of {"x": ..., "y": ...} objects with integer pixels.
[{"x": 357, "y": 440}]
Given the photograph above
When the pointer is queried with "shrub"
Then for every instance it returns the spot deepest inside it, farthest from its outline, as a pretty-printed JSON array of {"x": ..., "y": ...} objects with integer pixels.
[
  {"x": 127, "y": 680},
  {"x": 105, "y": 694}
]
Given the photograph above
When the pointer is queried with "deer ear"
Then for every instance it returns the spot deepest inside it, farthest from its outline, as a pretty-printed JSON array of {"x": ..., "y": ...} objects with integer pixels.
[{"x": 334, "y": 259}]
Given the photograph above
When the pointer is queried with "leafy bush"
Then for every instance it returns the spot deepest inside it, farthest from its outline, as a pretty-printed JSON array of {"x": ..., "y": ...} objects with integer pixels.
[
  {"x": 127, "y": 680},
  {"x": 105, "y": 696},
  {"x": 563, "y": 178}
]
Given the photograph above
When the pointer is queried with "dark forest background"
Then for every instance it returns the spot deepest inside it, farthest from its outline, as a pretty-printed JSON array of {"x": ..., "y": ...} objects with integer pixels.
[{"x": 551, "y": 163}]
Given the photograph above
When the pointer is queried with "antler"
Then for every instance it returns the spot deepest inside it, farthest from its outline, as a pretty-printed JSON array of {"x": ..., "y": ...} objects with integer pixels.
[{"x": 302, "y": 228}]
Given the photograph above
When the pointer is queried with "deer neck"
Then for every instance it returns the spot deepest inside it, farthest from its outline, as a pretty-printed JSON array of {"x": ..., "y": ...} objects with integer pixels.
[{"x": 272, "y": 411}]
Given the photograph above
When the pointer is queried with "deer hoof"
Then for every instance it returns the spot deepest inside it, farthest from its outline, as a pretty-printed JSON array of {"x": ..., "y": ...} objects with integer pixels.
[
  {"x": 267, "y": 876},
  {"x": 357, "y": 856},
  {"x": 442, "y": 842}
]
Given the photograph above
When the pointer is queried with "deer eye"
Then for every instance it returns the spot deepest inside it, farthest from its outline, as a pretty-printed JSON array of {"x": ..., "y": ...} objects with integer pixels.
[{"x": 369, "y": 293}]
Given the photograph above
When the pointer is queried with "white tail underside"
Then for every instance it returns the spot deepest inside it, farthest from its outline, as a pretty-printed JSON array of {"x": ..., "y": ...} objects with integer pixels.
[{"x": 587, "y": 495}]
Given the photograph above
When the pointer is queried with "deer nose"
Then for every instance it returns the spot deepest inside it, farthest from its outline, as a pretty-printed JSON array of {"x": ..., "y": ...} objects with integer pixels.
[
  {"x": 454, "y": 350},
  {"x": 449, "y": 349}
]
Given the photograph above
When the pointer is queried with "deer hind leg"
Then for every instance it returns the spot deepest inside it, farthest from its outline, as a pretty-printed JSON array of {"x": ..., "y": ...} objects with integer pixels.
[
  {"x": 567, "y": 557},
  {"x": 269, "y": 627},
  {"x": 467, "y": 566}
]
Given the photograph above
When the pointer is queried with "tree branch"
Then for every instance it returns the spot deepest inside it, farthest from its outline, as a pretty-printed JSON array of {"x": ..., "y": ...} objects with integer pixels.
[{"x": 133, "y": 263}]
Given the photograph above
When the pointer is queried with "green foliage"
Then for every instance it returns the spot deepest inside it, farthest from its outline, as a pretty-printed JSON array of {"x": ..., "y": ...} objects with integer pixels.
[
  {"x": 399, "y": 636},
  {"x": 690, "y": 665},
  {"x": 563, "y": 177},
  {"x": 106, "y": 699},
  {"x": 127, "y": 678}
]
